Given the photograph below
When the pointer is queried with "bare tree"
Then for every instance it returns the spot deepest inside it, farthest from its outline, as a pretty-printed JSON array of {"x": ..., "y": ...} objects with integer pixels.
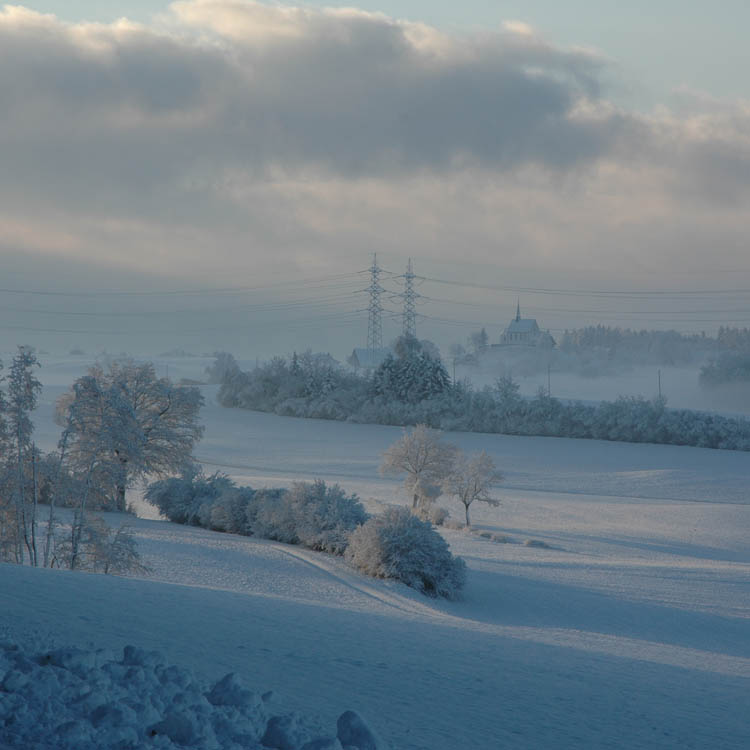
[
  {"x": 115, "y": 550},
  {"x": 426, "y": 460},
  {"x": 100, "y": 548},
  {"x": 472, "y": 478}
]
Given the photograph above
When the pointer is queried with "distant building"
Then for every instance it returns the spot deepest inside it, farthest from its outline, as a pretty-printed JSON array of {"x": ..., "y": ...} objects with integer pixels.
[
  {"x": 525, "y": 332},
  {"x": 368, "y": 359}
]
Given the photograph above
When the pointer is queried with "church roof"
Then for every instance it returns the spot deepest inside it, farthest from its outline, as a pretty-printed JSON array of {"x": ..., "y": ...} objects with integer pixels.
[{"x": 522, "y": 325}]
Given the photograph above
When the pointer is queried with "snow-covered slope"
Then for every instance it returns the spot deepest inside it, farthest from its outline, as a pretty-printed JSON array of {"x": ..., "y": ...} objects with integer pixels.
[{"x": 631, "y": 629}]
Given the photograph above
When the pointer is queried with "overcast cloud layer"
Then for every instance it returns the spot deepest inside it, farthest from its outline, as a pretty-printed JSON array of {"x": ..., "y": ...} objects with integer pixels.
[{"x": 233, "y": 139}]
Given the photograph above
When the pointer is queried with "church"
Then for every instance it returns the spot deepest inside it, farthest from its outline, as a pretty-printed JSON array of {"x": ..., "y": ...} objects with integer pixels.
[{"x": 525, "y": 332}]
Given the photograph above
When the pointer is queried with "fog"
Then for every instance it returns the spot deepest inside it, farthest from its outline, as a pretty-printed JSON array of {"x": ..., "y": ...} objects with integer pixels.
[{"x": 219, "y": 177}]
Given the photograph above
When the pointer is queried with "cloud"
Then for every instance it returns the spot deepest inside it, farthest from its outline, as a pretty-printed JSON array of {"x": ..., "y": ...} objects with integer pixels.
[
  {"x": 518, "y": 27},
  {"x": 345, "y": 90},
  {"x": 242, "y": 135}
]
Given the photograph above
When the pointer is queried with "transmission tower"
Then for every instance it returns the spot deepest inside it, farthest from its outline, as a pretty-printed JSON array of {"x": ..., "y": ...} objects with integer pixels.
[
  {"x": 410, "y": 300},
  {"x": 375, "y": 308}
]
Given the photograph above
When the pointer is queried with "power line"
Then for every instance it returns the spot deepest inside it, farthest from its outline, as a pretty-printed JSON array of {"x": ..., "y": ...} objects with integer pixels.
[
  {"x": 173, "y": 292},
  {"x": 637, "y": 294},
  {"x": 329, "y": 301}
]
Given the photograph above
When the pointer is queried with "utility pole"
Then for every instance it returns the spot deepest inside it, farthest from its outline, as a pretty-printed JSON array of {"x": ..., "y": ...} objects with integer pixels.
[
  {"x": 375, "y": 308},
  {"x": 549, "y": 382},
  {"x": 410, "y": 299},
  {"x": 659, "y": 376}
]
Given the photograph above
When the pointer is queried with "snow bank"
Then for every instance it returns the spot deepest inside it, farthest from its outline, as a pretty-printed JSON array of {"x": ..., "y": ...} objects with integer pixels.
[{"x": 83, "y": 699}]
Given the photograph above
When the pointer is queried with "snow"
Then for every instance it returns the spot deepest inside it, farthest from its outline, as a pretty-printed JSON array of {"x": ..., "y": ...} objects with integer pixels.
[
  {"x": 82, "y": 699},
  {"x": 630, "y": 629}
]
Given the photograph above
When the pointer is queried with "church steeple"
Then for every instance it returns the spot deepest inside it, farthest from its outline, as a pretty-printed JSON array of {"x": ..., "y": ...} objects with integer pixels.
[{"x": 518, "y": 310}]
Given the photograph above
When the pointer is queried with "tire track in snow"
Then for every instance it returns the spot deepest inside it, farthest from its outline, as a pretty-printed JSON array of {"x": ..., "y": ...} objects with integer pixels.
[
  {"x": 603, "y": 643},
  {"x": 389, "y": 599}
]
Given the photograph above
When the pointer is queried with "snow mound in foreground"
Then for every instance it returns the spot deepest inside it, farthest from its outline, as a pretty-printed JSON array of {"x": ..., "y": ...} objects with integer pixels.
[{"x": 76, "y": 698}]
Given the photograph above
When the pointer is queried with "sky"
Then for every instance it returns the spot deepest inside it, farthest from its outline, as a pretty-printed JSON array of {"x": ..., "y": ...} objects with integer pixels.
[{"x": 218, "y": 173}]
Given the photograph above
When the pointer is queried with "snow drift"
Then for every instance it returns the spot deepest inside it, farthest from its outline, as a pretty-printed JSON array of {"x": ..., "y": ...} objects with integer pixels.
[{"x": 89, "y": 699}]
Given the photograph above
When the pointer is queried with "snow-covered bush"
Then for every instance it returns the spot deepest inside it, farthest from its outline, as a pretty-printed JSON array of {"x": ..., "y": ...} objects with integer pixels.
[
  {"x": 312, "y": 514},
  {"x": 228, "y": 512},
  {"x": 399, "y": 545},
  {"x": 437, "y": 515},
  {"x": 453, "y": 525},
  {"x": 188, "y": 499}
]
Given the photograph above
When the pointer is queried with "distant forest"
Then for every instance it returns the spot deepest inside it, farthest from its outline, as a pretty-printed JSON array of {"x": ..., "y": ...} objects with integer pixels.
[
  {"x": 413, "y": 387},
  {"x": 603, "y": 350}
]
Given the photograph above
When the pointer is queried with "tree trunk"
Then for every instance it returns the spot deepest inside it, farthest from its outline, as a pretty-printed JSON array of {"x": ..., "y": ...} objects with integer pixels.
[
  {"x": 120, "y": 501},
  {"x": 79, "y": 520},
  {"x": 35, "y": 488},
  {"x": 466, "y": 507},
  {"x": 53, "y": 499},
  {"x": 122, "y": 481},
  {"x": 23, "y": 531}
]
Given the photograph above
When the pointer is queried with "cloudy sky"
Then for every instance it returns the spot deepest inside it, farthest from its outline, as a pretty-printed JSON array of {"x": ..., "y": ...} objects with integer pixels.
[{"x": 215, "y": 173}]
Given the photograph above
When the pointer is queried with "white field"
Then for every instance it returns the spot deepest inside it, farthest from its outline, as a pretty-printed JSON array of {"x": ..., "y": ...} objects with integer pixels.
[{"x": 632, "y": 630}]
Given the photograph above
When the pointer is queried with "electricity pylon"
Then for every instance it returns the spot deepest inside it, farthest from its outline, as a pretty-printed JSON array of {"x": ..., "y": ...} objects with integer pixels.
[
  {"x": 410, "y": 303},
  {"x": 375, "y": 308}
]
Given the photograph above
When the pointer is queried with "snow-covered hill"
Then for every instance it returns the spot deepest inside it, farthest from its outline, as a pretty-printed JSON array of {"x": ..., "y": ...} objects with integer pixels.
[{"x": 631, "y": 629}]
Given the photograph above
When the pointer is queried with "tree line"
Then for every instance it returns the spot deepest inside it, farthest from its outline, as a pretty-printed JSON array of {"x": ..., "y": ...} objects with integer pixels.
[{"x": 412, "y": 387}]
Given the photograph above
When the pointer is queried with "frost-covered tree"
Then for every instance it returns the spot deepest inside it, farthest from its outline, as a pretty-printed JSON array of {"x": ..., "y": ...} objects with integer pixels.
[
  {"x": 472, "y": 478},
  {"x": 127, "y": 423},
  {"x": 413, "y": 375},
  {"x": 23, "y": 392},
  {"x": 424, "y": 458},
  {"x": 478, "y": 341},
  {"x": 223, "y": 368}
]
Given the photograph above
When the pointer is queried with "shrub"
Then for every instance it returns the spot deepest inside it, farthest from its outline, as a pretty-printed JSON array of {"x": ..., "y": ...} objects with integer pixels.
[
  {"x": 399, "y": 545},
  {"x": 454, "y": 525},
  {"x": 437, "y": 516},
  {"x": 263, "y": 499},
  {"x": 92, "y": 544},
  {"x": 229, "y": 510},
  {"x": 188, "y": 499},
  {"x": 313, "y": 515}
]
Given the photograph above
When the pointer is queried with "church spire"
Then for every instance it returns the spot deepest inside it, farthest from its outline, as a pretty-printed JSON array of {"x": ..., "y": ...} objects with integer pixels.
[{"x": 518, "y": 310}]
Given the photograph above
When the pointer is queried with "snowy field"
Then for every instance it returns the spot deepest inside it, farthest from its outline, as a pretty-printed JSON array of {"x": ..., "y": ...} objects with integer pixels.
[{"x": 630, "y": 629}]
